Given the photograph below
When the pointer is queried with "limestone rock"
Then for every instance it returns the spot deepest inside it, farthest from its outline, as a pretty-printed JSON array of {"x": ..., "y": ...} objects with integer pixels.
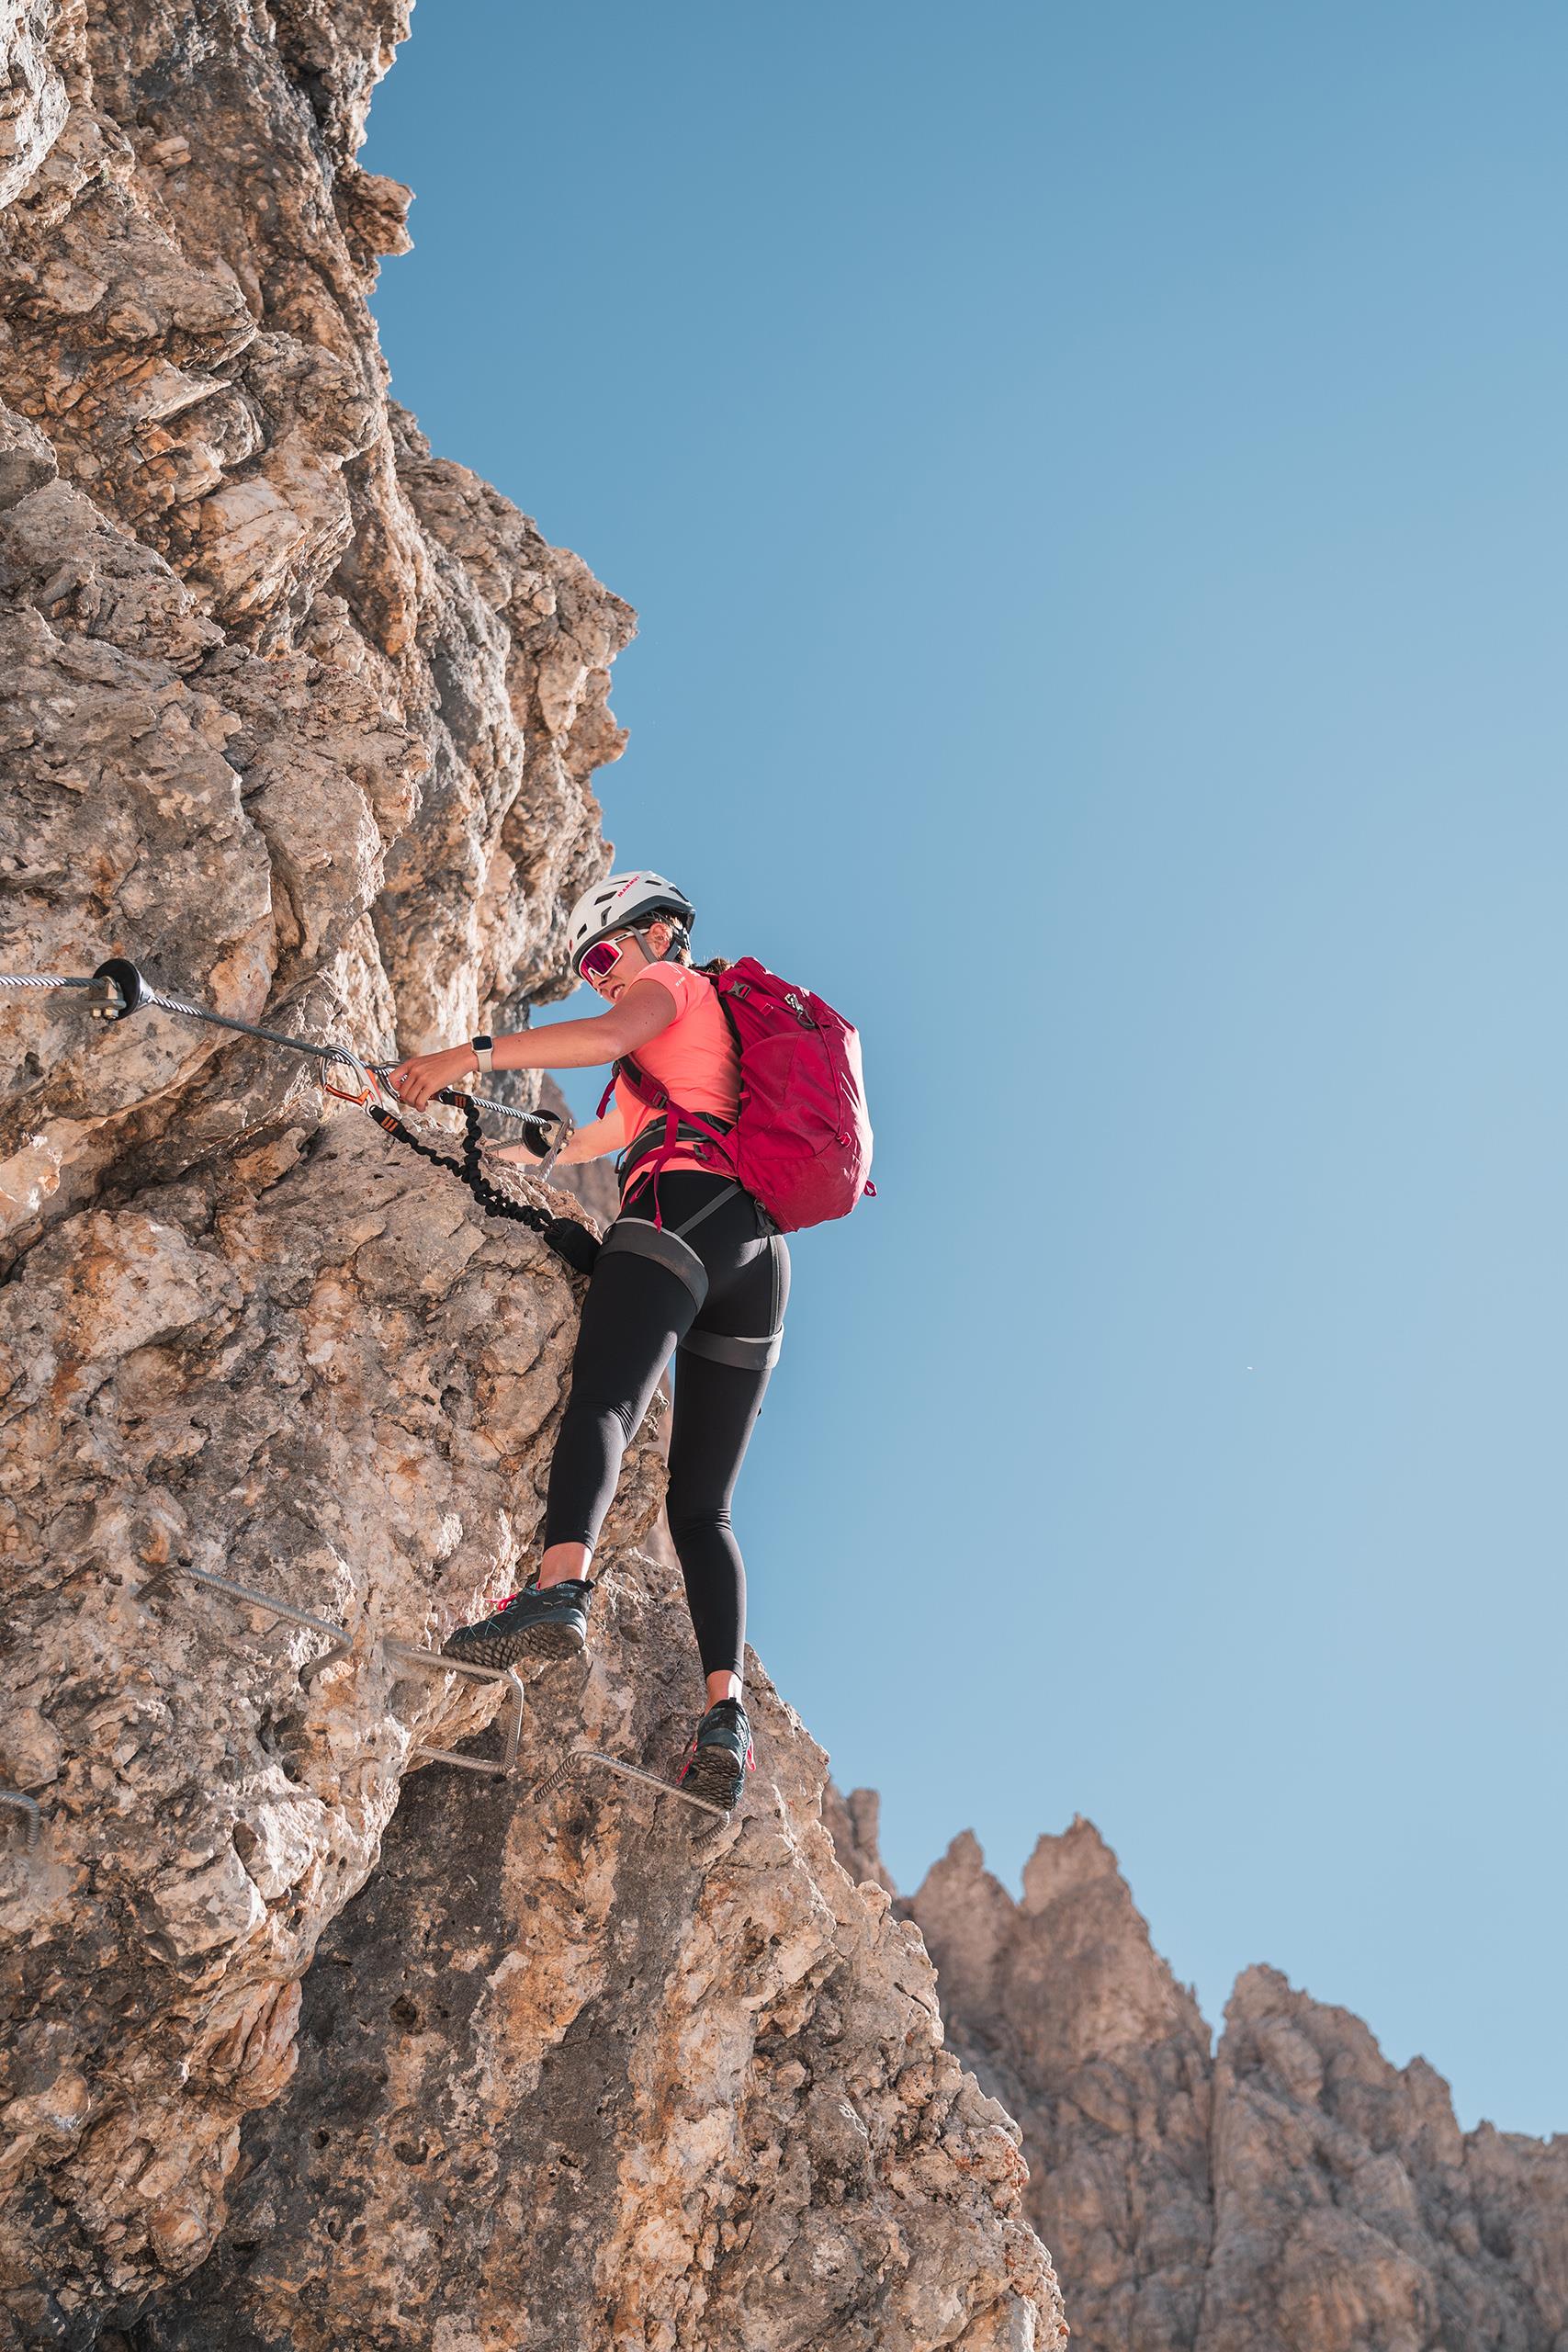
[
  {"x": 33, "y": 102},
  {"x": 1293, "y": 2189},
  {"x": 853, "y": 1823},
  {"x": 26, "y": 461},
  {"x": 1066, "y": 2012},
  {"x": 570, "y": 2079},
  {"x": 315, "y": 1368},
  {"x": 304, "y": 720},
  {"x": 295, "y": 714},
  {"x": 1346, "y": 2196}
]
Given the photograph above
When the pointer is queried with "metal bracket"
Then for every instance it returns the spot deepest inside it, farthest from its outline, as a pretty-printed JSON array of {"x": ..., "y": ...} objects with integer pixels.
[
  {"x": 562, "y": 1135},
  {"x": 336, "y": 1636},
  {"x": 124, "y": 991},
  {"x": 424, "y": 1661},
  {"x": 31, "y": 1816},
  {"x": 432, "y": 1662},
  {"x": 556, "y": 1778}
]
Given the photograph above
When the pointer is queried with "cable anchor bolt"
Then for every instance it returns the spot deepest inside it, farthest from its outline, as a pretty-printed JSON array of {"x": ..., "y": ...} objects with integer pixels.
[{"x": 118, "y": 990}]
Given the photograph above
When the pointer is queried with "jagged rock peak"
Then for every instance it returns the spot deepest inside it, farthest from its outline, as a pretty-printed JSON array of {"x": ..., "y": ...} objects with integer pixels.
[
  {"x": 1294, "y": 2187},
  {"x": 1075, "y": 1925},
  {"x": 853, "y": 1823},
  {"x": 1346, "y": 2194},
  {"x": 1060, "y": 1866}
]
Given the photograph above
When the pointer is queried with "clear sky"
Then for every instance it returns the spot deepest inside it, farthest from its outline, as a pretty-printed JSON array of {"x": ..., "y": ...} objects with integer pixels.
[{"x": 1094, "y": 484}]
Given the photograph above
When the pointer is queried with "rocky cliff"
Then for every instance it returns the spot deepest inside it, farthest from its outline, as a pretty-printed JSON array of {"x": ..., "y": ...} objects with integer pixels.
[
  {"x": 310, "y": 2039},
  {"x": 1292, "y": 2188}
]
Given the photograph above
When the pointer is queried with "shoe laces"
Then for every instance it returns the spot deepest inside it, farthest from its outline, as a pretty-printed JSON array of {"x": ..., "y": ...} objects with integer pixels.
[
  {"x": 739, "y": 1705},
  {"x": 736, "y": 1706}
]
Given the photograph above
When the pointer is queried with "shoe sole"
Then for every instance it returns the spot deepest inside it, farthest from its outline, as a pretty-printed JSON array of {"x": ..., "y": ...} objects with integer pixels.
[
  {"x": 546, "y": 1642},
  {"x": 714, "y": 1777}
]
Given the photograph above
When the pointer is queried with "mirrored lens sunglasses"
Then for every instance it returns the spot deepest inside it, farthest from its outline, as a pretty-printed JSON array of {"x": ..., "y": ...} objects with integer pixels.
[{"x": 602, "y": 957}]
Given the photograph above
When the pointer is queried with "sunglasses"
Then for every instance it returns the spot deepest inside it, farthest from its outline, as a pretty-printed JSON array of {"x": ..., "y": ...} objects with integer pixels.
[{"x": 602, "y": 956}]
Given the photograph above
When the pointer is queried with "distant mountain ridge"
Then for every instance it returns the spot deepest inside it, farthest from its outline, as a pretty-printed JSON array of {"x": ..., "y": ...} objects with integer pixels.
[{"x": 1288, "y": 2188}]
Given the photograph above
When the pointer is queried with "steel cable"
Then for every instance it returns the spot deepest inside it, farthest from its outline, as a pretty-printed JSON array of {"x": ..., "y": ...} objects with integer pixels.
[{"x": 574, "y": 1243}]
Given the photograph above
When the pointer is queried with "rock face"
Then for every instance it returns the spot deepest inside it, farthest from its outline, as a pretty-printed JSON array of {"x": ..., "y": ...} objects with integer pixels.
[
  {"x": 1069, "y": 2015},
  {"x": 294, "y": 712},
  {"x": 569, "y": 2078},
  {"x": 1346, "y": 2193},
  {"x": 1294, "y": 2189},
  {"x": 304, "y": 720}
]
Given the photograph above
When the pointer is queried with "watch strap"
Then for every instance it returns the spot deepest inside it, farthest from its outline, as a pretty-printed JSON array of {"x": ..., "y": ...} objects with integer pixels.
[{"x": 484, "y": 1051}]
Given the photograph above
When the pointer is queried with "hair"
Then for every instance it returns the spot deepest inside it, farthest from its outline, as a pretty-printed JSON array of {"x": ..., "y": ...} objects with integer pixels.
[{"x": 714, "y": 965}]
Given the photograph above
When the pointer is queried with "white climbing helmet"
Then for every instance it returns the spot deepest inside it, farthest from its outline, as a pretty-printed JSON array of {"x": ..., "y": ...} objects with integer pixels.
[{"x": 619, "y": 903}]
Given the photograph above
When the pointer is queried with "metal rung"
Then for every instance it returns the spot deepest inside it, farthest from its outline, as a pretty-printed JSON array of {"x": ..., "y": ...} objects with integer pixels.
[
  {"x": 432, "y": 1662},
  {"x": 425, "y": 1661},
  {"x": 335, "y": 1635},
  {"x": 629, "y": 1772},
  {"x": 32, "y": 1815}
]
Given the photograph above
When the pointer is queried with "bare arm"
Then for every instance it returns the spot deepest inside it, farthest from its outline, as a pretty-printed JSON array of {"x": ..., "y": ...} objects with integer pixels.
[
  {"x": 640, "y": 1015},
  {"x": 595, "y": 1141},
  {"x": 633, "y": 1020}
]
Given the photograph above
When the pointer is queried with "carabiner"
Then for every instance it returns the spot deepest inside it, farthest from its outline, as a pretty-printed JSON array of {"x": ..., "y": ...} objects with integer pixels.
[{"x": 364, "y": 1095}]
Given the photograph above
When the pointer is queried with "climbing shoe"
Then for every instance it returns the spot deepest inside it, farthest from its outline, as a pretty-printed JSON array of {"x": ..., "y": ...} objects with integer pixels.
[
  {"x": 720, "y": 1756},
  {"x": 551, "y": 1623}
]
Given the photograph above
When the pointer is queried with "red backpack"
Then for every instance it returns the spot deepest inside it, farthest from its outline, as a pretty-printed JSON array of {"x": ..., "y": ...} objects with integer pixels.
[{"x": 801, "y": 1141}]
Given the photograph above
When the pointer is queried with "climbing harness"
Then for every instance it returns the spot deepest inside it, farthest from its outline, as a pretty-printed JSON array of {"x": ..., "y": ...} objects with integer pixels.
[
  {"x": 117, "y": 988},
  {"x": 716, "y": 1817}
]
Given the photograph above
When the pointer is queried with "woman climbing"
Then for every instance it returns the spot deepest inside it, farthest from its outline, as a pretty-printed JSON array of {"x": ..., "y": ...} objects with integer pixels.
[{"x": 692, "y": 1264}]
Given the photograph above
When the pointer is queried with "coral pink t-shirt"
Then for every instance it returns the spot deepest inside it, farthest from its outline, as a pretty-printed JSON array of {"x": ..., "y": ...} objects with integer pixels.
[{"x": 695, "y": 1058}]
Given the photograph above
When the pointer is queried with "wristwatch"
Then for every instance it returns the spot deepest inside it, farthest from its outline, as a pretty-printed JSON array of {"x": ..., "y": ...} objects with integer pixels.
[{"x": 483, "y": 1049}]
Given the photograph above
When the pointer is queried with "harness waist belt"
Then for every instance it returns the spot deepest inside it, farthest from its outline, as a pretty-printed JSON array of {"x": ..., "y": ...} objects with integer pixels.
[{"x": 652, "y": 1139}]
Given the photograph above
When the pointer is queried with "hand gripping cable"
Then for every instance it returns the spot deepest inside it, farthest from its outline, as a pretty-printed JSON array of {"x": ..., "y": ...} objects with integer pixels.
[{"x": 117, "y": 988}]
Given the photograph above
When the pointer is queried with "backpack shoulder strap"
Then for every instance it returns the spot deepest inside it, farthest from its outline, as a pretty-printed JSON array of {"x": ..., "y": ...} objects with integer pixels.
[
  {"x": 735, "y": 1039},
  {"x": 646, "y": 1088}
]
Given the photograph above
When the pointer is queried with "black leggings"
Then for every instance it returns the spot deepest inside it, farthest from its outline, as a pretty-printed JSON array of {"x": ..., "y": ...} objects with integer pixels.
[{"x": 718, "y": 1293}]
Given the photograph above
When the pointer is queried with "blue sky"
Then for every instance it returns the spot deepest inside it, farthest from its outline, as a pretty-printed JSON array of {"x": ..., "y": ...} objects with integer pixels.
[{"x": 1094, "y": 486}]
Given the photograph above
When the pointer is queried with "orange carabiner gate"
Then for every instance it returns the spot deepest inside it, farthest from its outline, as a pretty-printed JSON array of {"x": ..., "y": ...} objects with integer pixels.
[{"x": 361, "y": 1095}]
